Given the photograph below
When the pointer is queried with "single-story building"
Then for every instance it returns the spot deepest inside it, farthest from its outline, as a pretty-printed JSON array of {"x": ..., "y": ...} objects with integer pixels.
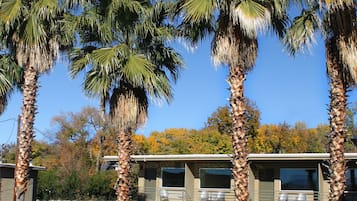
[
  {"x": 207, "y": 177},
  {"x": 7, "y": 182}
]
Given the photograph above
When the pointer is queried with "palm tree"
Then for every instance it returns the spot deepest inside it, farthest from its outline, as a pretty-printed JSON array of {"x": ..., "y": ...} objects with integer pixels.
[
  {"x": 30, "y": 34},
  {"x": 234, "y": 44},
  {"x": 339, "y": 30},
  {"x": 126, "y": 68}
]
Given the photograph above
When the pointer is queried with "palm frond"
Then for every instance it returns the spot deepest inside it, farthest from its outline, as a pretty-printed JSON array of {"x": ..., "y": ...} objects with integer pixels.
[
  {"x": 301, "y": 34},
  {"x": 159, "y": 11},
  {"x": 10, "y": 11},
  {"x": 11, "y": 69},
  {"x": 97, "y": 83},
  {"x": 232, "y": 46},
  {"x": 67, "y": 27},
  {"x": 133, "y": 6},
  {"x": 335, "y": 4},
  {"x": 10, "y": 75},
  {"x": 167, "y": 59},
  {"x": 109, "y": 58},
  {"x": 251, "y": 15},
  {"x": 3, "y": 103},
  {"x": 91, "y": 27},
  {"x": 348, "y": 53},
  {"x": 136, "y": 69},
  {"x": 33, "y": 32},
  {"x": 196, "y": 31},
  {"x": 5, "y": 84},
  {"x": 279, "y": 18},
  {"x": 45, "y": 9},
  {"x": 80, "y": 58},
  {"x": 198, "y": 10},
  {"x": 158, "y": 87},
  {"x": 70, "y": 4},
  {"x": 128, "y": 106}
]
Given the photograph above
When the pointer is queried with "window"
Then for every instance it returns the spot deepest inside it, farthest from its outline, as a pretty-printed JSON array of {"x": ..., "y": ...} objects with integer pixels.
[
  {"x": 298, "y": 179},
  {"x": 173, "y": 177},
  {"x": 215, "y": 177},
  {"x": 351, "y": 179}
]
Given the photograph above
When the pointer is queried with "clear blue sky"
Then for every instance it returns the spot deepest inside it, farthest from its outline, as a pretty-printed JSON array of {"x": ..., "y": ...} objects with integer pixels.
[{"x": 285, "y": 89}]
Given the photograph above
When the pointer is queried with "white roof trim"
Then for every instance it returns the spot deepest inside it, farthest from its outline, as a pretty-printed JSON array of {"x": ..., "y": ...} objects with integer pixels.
[
  {"x": 11, "y": 165},
  {"x": 228, "y": 157}
]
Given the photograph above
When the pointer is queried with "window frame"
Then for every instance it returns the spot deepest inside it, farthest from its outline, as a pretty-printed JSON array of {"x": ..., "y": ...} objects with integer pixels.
[
  {"x": 162, "y": 177},
  {"x": 216, "y": 188},
  {"x": 315, "y": 185},
  {"x": 349, "y": 179}
]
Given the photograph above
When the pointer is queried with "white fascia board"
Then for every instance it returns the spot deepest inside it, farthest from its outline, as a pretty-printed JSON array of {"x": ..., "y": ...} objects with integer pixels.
[
  {"x": 228, "y": 157},
  {"x": 11, "y": 165}
]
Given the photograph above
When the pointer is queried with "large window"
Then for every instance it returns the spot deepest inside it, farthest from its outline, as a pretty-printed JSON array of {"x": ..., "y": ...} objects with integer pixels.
[
  {"x": 173, "y": 177},
  {"x": 215, "y": 177},
  {"x": 351, "y": 179},
  {"x": 298, "y": 179}
]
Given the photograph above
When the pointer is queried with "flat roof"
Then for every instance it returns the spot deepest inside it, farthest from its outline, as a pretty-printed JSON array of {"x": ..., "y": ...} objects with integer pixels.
[
  {"x": 228, "y": 157},
  {"x": 11, "y": 165}
]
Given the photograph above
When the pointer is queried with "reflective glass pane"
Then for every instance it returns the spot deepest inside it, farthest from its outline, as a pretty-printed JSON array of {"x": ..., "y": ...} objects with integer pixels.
[
  {"x": 215, "y": 177},
  {"x": 351, "y": 179},
  {"x": 173, "y": 177},
  {"x": 298, "y": 179}
]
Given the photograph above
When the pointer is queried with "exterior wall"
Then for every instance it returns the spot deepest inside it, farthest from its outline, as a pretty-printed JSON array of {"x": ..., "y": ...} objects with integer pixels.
[
  {"x": 264, "y": 181},
  {"x": 229, "y": 194},
  {"x": 323, "y": 183},
  {"x": 153, "y": 186},
  {"x": 189, "y": 182},
  {"x": 191, "y": 191},
  {"x": 270, "y": 183},
  {"x": 265, "y": 177},
  {"x": 7, "y": 184}
]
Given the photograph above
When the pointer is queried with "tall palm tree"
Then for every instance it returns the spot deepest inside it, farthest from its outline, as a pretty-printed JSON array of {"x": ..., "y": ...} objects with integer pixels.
[
  {"x": 126, "y": 68},
  {"x": 235, "y": 24},
  {"x": 338, "y": 26},
  {"x": 29, "y": 33}
]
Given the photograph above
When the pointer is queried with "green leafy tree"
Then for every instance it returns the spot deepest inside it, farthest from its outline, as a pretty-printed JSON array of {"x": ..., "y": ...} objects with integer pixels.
[
  {"x": 222, "y": 121},
  {"x": 100, "y": 186},
  {"x": 235, "y": 25},
  {"x": 351, "y": 127},
  {"x": 71, "y": 157},
  {"x": 72, "y": 186},
  {"x": 49, "y": 186},
  {"x": 183, "y": 141},
  {"x": 8, "y": 153},
  {"x": 338, "y": 26}
]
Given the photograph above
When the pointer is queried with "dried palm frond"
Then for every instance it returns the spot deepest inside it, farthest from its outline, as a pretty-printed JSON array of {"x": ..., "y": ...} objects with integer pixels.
[
  {"x": 231, "y": 46},
  {"x": 348, "y": 54},
  {"x": 251, "y": 16},
  {"x": 128, "y": 107},
  {"x": 40, "y": 57}
]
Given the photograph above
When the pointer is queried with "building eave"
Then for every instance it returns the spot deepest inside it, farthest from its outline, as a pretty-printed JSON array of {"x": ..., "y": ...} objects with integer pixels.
[
  {"x": 228, "y": 157},
  {"x": 11, "y": 165}
]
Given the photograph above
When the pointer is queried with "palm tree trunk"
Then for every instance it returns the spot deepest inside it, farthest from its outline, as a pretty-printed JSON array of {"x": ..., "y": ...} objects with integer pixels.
[
  {"x": 337, "y": 113},
  {"x": 239, "y": 139},
  {"x": 25, "y": 136},
  {"x": 124, "y": 151}
]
